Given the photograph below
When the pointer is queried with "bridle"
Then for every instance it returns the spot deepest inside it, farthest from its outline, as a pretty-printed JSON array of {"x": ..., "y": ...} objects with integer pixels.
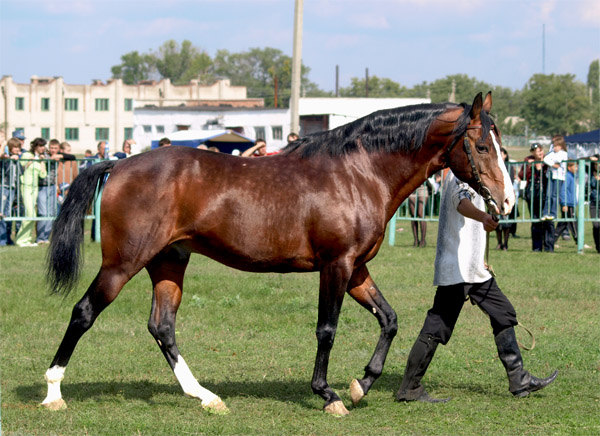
[{"x": 481, "y": 189}]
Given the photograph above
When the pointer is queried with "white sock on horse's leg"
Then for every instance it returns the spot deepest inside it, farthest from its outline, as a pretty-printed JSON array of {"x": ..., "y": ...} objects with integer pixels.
[
  {"x": 54, "y": 376},
  {"x": 190, "y": 385}
]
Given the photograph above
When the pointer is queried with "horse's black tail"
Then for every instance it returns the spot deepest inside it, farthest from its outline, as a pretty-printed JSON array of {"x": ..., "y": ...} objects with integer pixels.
[{"x": 64, "y": 253}]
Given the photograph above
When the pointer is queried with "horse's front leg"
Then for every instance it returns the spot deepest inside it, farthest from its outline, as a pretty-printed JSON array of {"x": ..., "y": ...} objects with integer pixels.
[
  {"x": 363, "y": 289},
  {"x": 333, "y": 283},
  {"x": 166, "y": 271}
]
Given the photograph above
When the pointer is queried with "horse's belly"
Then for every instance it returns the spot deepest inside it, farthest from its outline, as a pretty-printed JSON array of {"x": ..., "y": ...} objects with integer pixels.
[{"x": 255, "y": 258}]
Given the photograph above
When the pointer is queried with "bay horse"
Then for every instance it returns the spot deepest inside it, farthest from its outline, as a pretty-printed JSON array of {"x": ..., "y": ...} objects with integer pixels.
[{"x": 322, "y": 204}]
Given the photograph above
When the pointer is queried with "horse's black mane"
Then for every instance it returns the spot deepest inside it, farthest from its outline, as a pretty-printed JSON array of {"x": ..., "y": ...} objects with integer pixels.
[{"x": 389, "y": 130}]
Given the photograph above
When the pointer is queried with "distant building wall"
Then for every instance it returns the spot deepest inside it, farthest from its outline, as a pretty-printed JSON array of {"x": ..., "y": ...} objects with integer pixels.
[{"x": 85, "y": 114}]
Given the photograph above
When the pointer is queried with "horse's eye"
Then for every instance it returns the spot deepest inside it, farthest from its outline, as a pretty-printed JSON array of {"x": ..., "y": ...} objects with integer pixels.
[{"x": 481, "y": 148}]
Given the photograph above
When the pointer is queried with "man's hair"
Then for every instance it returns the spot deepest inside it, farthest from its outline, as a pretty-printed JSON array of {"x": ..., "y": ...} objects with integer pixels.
[
  {"x": 64, "y": 145},
  {"x": 164, "y": 141},
  {"x": 100, "y": 144},
  {"x": 260, "y": 140},
  {"x": 54, "y": 142}
]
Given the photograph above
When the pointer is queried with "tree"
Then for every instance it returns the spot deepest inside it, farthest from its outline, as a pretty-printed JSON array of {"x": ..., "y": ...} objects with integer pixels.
[
  {"x": 257, "y": 69},
  {"x": 593, "y": 83},
  {"x": 378, "y": 87},
  {"x": 133, "y": 68},
  {"x": 555, "y": 104},
  {"x": 182, "y": 63}
]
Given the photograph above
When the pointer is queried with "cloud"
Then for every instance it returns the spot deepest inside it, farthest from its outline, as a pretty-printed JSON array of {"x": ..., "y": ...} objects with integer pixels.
[
  {"x": 164, "y": 26},
  {"x": 70, "y": 7},
  {"x": 546, "y": 10},
  {"x": 335, "y": 42},
  {"x": 589, "y": 12},
  {"x": 369, "y": 21}
]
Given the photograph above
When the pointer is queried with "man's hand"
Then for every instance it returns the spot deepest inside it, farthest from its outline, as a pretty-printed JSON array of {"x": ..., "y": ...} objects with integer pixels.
[
  {"x": 489, "y": 223},
  {"x": 468, "y": 209}
]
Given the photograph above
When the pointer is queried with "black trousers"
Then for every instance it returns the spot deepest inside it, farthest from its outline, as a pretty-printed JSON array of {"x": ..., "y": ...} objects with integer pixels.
[
  {"x": 563, "y": 225},
  {"x": 449, "y": 300}
]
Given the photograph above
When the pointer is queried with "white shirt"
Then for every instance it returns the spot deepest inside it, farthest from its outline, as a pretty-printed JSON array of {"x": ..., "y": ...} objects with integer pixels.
[
  {"x": 461, "y": 240},
  {"x": 557, "y": 157}
]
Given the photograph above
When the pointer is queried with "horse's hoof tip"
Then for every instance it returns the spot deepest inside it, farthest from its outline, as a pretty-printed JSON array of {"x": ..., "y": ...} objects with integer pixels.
[
  {"x": 356, "y": 392},
  {"x": 337, "y": 409},
  {"x": 216, "y": 406},
  {"x": 55, "y": 405}
]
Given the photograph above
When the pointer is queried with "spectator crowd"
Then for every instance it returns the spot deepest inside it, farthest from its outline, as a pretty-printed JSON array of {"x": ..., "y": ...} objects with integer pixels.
[{"x": 34, "y": 180}]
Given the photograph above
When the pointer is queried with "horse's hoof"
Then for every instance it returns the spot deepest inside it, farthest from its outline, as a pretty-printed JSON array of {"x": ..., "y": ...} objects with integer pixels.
[
  {"x": 356, "y": 392},
  {"x": 55, "y": 405},
  {"x": 216, "y": 406},
  {"x": 337, "y": 408}
]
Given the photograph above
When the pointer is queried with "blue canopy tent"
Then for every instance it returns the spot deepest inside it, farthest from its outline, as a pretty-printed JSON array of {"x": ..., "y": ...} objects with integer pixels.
[
  {"x": 583, "y": 144},
  {"x": 225, "y": 140}
]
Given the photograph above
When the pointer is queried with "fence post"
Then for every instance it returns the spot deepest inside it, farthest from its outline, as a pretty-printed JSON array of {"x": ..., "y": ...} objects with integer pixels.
[
  {"x": 580, "y": 205},
  {"x": 97, "y": 201},
  {"x": 392, "y": 235}
]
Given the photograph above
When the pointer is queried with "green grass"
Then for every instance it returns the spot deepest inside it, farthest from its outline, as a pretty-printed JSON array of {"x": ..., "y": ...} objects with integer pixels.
[{"x": 250, "y": 339}]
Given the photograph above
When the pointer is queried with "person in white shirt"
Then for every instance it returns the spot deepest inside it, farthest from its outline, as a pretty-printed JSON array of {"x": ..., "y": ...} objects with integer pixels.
[
  {"x": 555, "y": 159},
  {"x": 460, "y": 273}
]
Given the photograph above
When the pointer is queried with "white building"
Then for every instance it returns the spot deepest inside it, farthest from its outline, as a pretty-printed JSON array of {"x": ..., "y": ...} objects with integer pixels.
[
  {"x": 273, "y": 125},
  {"x": 85, "y": 114},
  {"x": 152, "y": 123}
]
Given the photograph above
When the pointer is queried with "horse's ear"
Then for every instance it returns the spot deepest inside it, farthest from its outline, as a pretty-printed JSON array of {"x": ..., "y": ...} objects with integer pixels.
[
  {"x": 487, "y": 103},
  {"x": 476, "y": 107}
]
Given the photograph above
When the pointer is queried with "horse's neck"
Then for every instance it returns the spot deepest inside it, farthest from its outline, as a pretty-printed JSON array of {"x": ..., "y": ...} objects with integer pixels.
[{"x": 403, "y": 173}]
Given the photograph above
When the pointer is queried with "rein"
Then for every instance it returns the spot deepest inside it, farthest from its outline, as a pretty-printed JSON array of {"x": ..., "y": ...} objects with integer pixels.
[
  {"x": 484, "y": 192},
  {"x": 491, "y": 205}
]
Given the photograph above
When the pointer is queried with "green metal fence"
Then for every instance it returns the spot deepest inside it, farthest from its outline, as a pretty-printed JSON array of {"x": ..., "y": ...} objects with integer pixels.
[
  {"x": 584, "y": 209},
  {"x": 62, "y": 173},
  {"x": 50, "y": 191}
]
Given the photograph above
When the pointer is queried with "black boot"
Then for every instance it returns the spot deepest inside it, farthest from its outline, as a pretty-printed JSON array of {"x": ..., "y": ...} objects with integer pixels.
[
  {"x": 520, "y": 382},
  {"x": 419, "y": 358}
]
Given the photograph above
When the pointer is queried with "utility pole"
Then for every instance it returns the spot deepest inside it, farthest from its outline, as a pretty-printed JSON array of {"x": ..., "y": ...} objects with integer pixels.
[
  {"x": 543, "y": 49},
  {"x": 337, "y": 80},
  {"x": 296, "y": 67}
]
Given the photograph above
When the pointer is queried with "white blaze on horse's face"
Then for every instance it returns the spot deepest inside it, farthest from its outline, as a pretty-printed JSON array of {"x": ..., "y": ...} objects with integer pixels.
[{"x": 509, "y": 193}]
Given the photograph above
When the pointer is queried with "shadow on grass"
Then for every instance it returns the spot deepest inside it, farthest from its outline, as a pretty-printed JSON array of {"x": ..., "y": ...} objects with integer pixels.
[
  {"x": 284, "y": 391},
  {"x": 295, "y": 391}
]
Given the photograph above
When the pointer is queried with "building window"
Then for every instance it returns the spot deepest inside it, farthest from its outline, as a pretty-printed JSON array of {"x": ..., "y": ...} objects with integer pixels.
[
  {"x": 128, "y": 104},
  {"x": 45, "y": 133},
  {"x": 71, "y": 104},
  {"x": 101, "y": 104},
  {"x": 101, "y": 133},
  {"x": 259, "y": 132},
  {"x": 182, "y": 127},
  {"x": 20, "y": 103},
  {"x": 160, "y": 129},
  {"x": 128, "y": 133},
  {"x": 72, "y": 133},
  {"x": 147, "y": 128},
  {"x": 277, "y": 132},
  {"x": 45, "y": 105}
]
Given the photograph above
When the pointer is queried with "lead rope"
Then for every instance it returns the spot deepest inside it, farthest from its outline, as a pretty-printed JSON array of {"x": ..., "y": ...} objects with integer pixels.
[{"x": 485, "y": 193}]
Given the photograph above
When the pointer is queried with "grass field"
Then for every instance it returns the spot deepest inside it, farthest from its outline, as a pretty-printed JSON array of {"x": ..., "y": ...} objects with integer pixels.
[{"x": 250, "y": 339}]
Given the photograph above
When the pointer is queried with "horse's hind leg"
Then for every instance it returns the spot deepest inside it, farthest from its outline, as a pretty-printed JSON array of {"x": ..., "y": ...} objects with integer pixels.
[
  {"x": 166, "y": 271},
  {"x": 103, "y": 290},
  {"x": 363, "y": 289}
]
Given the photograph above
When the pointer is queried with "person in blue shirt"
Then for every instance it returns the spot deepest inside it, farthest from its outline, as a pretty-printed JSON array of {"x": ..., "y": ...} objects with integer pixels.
[{"x": 568, "y": 200}]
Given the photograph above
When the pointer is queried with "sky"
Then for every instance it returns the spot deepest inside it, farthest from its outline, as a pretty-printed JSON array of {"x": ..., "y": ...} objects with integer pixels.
[{"x": 408, "y": 41}]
